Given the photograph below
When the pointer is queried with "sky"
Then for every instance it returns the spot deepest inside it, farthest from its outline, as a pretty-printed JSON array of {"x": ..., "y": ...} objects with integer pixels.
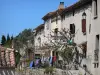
[{"x": 17, "y": 15}]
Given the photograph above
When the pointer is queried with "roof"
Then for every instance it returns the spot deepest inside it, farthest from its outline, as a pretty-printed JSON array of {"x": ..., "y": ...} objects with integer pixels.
[
  {"x": 41, "y": 26},
  {"x": 52, "y": 14},
  {"x": 67, "y": 9},
  {"x": 76, "y": 6}
]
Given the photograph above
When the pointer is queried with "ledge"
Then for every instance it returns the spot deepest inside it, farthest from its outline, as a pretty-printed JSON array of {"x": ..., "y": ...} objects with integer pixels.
[
  {"x": 7, "y": 67},
  {"x": 95, "y": 17}
]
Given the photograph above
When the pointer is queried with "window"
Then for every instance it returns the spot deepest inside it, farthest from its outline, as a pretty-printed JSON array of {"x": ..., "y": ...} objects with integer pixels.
[
  {"x": 56, "y": 20},
  {"x": 95, "y": 9},
  {"x": 89, "y": 28},
  {"x": 63, "y": 17},
  {"x": 97, "y": 42},
  {"x": 56, "y": 33},
  {"x": 84, "y": 26},
  {"x": 84, "y": 50},
  {"x": 47, "y": 24},
  {"x": 84, "y": 23},
  {"x": 72, "y": 28},
  {"x": 73, "y": 12},
  {"x": 96, "y": 53}
]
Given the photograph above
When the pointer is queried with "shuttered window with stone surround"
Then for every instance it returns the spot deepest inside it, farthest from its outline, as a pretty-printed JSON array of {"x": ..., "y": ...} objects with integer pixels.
[{"x": 84, "y": 26}]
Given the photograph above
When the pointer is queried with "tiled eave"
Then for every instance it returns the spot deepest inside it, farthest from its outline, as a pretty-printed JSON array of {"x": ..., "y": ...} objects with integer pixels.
[
  {"x": 52, "y": 14},
  {"x": 75, "y": 6},
  {"x": 39, "y": 27}
]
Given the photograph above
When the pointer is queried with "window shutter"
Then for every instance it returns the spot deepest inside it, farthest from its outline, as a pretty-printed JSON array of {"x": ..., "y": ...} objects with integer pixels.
[{"x": 83, "y": 25}]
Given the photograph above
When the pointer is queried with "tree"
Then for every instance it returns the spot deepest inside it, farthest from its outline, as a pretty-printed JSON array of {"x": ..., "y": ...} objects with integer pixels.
[
  {"x": 8, "y": 43},
  {"x": 3, "y": 40},
  {"x": 67, "y": 54},
  {"x": 8, "y": 38},
  {"x": 69, "y": 50},
  {"x": 22, "y": 42},
  {"x": 23, "y": 39},
  {"x": 11, "y": 37}
]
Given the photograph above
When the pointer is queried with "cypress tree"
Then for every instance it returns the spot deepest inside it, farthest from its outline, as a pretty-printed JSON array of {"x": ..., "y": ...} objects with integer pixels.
[
  {"x": 8, "y": 38},
  {"x": 3, "y": 40}
]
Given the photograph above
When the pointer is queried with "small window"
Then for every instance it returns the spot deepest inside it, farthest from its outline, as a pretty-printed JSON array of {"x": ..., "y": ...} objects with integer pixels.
[
  {"x": 47, "y": 24},
  {"x": 89, "y": 28},
  {"x": 55, "y": 31},
  {"x": 72, "y": 28},
  {"x": 73, "y": 12},
  {"x": 56, "y": 20},
  {"x": 96, "y": 65},
  {"x": 96, "y": 53},
  {"x": 95, "y": 9},
  {"x": 63, "y": 17}
]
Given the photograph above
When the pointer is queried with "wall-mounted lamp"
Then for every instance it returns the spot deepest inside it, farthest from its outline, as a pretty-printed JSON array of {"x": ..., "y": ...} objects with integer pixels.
[{"x": 84, "y": 15}]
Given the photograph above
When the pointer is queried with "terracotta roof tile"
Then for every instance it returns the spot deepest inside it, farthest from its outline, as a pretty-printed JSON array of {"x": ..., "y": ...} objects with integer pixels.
[
  {"x": 76, "y": 5},
  {"x": 51, "y": 14},
  {"x": 67, "y": 9},
  {"x": 39, "y": 27}
]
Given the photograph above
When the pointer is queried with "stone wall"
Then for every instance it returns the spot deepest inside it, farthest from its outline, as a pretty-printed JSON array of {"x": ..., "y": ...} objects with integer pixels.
[{"x": 7, "y": 71}]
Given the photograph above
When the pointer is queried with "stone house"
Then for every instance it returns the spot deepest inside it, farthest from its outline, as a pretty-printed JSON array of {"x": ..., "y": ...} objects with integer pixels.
[
  {"x": 93, "y": 45},
  {"x": 82, "y": 20}
]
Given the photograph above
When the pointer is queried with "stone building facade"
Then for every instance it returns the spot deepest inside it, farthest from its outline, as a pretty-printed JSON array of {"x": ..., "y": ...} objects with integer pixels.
[{"x": 82, "y": 20}]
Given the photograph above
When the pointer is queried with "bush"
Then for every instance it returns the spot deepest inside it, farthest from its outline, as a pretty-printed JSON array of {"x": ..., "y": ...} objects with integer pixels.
[{"x": 49, "y": 70}]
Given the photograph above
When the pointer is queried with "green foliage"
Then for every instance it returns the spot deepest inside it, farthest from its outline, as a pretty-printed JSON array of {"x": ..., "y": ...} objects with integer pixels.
[
  {"x": 49, "y": 70},
  {"x": 6, "y": 42},
  {"x": 8, "y": 38},
  {"x": 3, "y": 40},
  {"x": 67, "y": 54},
  {"x": 17, "y": 57},
  {"x": 22, "y": 38},
  {"x": 12, "y": 37}
]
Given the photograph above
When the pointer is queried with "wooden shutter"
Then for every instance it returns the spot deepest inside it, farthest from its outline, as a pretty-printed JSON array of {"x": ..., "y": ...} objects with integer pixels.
[{"x": 83, "y": 25}]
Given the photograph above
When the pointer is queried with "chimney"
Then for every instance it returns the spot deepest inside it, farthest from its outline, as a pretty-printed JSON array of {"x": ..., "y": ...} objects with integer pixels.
[{"x": 61, "y": 5}]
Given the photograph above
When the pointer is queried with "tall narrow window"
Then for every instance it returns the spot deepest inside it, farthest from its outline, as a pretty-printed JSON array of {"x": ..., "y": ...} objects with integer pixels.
[
  {"x": 84, "y": 23},
  {"x": 95, "y": 9},
  {"x": 47, "y": 24},
  {"x": 62, "y": 17},
  {"x": 97, "y": 42},
  {"x": 56, "y": 20},
  {"x": 73, "y": 12},
  {"x": 96, "y": 53},
  {"x": 89, "y": 28},
  {"x": 84, "y": 50},
  {"x": 72, "y": 28}
]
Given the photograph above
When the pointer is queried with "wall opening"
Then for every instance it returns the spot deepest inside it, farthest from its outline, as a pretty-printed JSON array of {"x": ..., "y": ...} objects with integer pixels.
[
  {"x": 72, "y": 28},
  {"x": 95, "y": 9},
  {"x": 96, "y": 53}
]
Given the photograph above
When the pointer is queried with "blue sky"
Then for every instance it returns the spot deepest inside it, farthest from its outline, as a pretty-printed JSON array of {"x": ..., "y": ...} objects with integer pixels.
[{"x": 16, "y": 15}]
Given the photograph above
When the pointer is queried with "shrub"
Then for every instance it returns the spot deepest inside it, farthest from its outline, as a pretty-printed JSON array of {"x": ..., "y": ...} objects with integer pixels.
[{"x": 49, "y": 70}]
